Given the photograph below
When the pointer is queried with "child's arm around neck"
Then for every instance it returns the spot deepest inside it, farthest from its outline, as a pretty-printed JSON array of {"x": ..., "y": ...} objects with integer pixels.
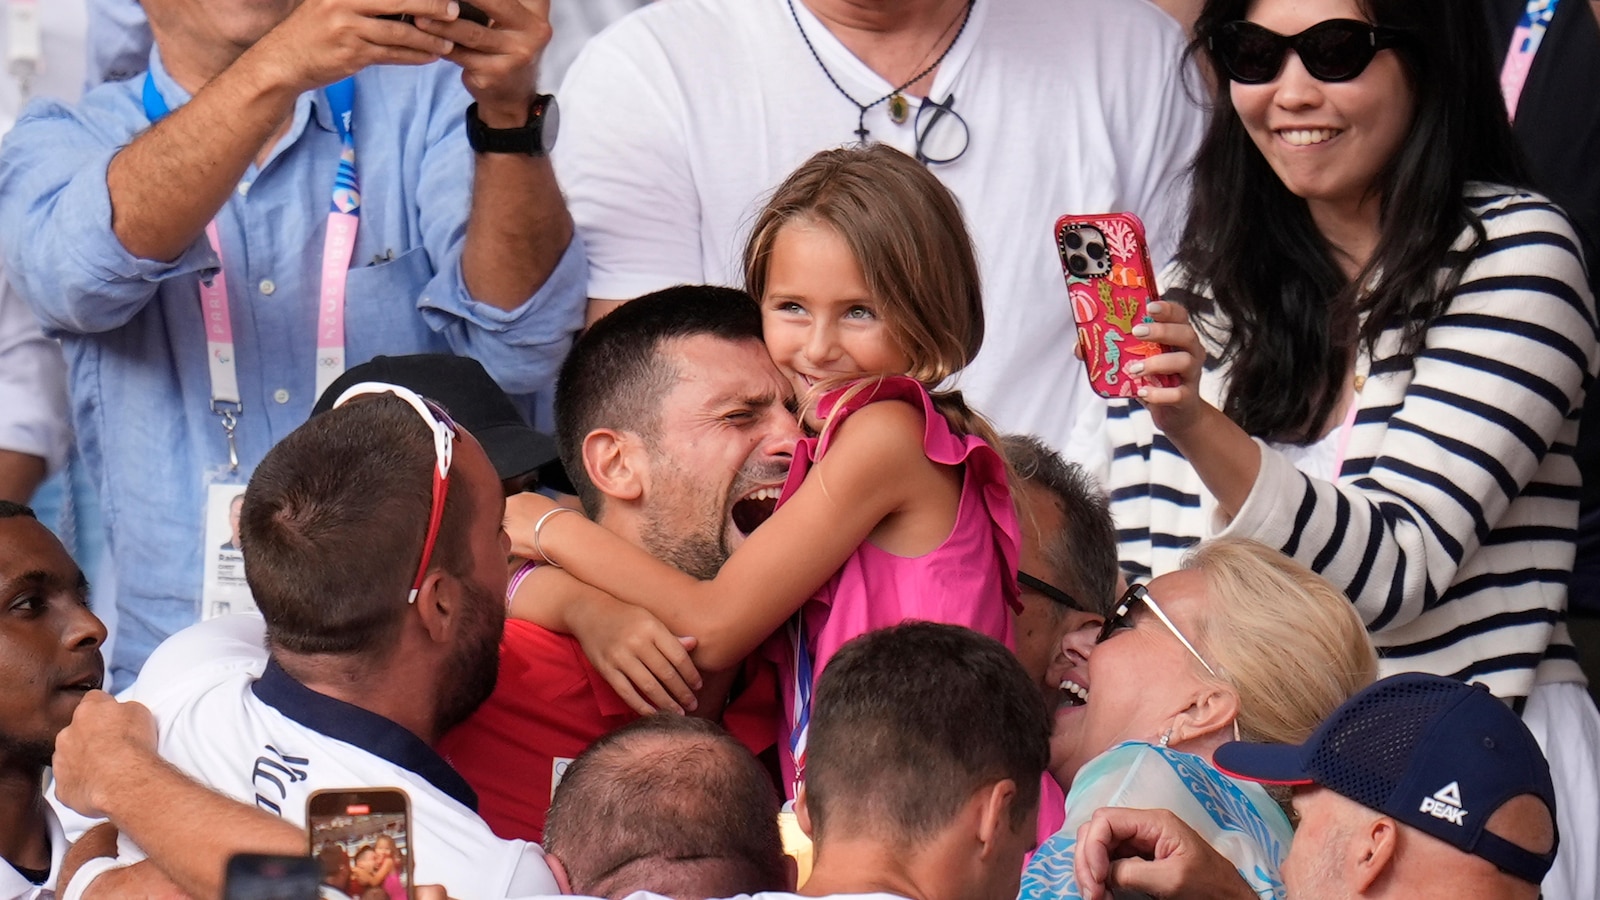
[{"x": 875, "y": 481}]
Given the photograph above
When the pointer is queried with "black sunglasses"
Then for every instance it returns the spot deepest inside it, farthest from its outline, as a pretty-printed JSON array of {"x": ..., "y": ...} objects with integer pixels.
[
  {"x": 1051, "y": 591},
  {"x": 1335, "y": 50}
]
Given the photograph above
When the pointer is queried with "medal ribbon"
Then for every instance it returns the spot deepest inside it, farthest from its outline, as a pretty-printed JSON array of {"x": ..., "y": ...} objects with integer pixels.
[{"x": 800, "y": 713}]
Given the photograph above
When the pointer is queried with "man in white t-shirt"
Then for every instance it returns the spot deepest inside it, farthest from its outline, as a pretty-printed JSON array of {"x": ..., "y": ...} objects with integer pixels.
[
  {"x": 680, "y": 119},
  {"x": 572, "y": 23},
  {"x": 381, "y": 614}
]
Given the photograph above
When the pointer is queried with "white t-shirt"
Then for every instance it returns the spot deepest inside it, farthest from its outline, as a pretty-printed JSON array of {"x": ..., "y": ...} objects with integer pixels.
[
  {"x": 13, "y": 886},
  {"x": 680, "y": 120},
  {"x": 233, "y": 721},
  {"x": 572, "y": 23}
]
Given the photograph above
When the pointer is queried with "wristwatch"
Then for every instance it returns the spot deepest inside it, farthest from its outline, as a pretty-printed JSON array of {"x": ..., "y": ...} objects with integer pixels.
[{"x": 536, "y": 138}]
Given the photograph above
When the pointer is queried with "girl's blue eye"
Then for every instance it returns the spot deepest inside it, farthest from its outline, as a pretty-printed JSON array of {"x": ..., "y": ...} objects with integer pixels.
[{"x": 860, "y": 312}]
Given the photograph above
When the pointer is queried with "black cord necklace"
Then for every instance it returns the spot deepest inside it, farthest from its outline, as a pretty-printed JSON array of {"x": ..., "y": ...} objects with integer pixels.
[{"x": 899, "y": 109}]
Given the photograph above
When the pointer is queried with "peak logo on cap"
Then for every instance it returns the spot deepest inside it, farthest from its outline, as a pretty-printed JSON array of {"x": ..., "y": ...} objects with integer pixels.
[
  {"x": 1445, "y": 804},
  {"x": 1386, "y": 745}
]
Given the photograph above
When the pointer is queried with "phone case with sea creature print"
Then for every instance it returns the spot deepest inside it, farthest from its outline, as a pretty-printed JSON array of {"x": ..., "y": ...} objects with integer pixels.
[{"x": 1110, "y": 284}]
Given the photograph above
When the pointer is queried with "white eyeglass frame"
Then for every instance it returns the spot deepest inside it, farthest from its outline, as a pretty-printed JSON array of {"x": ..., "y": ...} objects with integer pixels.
[
  {"x": 445, "y": 432},
  {"x": 1138, "y": 593}
]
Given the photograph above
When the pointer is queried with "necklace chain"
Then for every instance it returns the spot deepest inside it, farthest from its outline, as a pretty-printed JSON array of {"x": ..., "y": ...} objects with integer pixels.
[{"x": 861, "y": 121}]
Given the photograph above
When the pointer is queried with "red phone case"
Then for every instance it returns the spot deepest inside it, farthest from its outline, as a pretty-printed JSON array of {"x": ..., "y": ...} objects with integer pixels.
[{"x": 1110, "y": 293}]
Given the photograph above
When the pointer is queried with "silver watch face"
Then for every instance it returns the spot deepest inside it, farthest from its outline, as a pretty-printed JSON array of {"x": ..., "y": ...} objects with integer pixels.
[{"x": 549, "y": 124}]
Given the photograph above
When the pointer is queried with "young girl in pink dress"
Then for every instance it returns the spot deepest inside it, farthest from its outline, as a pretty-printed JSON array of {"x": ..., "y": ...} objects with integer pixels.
[
  {"x": 900, "y": 507},
  {"x": 391, "y": 866}
]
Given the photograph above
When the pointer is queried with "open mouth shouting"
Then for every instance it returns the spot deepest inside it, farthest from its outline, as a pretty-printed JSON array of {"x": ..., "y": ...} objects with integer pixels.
[{"x": 754, "y": 508}]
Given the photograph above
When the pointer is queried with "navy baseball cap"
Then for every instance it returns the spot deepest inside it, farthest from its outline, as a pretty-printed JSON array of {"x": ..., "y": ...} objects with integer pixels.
[{"x": 1433, "y": 753}]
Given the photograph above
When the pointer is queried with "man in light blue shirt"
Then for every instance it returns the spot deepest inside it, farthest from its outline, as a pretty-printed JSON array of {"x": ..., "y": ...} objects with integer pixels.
[{"x": 103, "y": 220}]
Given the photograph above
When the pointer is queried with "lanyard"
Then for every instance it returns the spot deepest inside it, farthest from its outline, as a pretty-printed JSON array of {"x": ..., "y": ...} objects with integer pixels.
[
  {"x": 1345, "y": 431},
  {"x": 1525, "y": 41},
  {"x": 800, "y": 721},
  {"x": 344, "y": 210}
]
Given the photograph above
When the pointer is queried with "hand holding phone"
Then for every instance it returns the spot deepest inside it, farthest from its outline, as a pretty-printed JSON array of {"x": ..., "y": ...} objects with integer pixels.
[
  {"x": 1110, "y": 284},
  {"x": 468, "y": 13},
  {"x": 362, "y": 839}
]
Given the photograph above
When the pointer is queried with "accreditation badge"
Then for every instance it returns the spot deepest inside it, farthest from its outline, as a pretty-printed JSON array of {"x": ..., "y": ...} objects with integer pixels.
[{"x": 224, "y": 590}]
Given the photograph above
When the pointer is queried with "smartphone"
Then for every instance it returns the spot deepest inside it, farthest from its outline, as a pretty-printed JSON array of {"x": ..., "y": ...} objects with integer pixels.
[
  {"x": 468, "y": 12},
  {"x": 257, "y": 876},
  {"x": 1110, "y": 284},
  {"x": 361, "y": 839}
]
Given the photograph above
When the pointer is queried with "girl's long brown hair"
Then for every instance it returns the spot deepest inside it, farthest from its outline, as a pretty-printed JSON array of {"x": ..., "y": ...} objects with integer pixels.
[{"x": 905, "y": 229}]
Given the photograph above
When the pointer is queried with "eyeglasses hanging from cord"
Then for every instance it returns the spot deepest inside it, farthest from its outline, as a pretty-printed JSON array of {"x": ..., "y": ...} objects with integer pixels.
[{"x": 953, "y": 139}]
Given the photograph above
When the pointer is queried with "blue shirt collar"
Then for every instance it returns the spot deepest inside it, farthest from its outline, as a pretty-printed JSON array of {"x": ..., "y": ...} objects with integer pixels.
[
  {"x": 311, "y": 103},
  {"x": 360, "y": 728}
]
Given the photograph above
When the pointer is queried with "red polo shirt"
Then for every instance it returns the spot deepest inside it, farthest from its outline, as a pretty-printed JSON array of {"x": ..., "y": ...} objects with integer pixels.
[{"x": 548, "y": 705}]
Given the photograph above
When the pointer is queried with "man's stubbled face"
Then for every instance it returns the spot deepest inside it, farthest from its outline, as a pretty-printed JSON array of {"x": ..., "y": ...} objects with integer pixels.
[{"x": 718, "y": 453}]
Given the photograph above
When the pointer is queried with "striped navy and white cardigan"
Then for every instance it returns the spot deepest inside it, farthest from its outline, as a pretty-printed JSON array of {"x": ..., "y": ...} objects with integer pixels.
[{"x": 1451, "y": 524}]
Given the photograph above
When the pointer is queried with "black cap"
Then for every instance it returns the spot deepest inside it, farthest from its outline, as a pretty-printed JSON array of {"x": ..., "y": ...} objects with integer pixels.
[{"x": 462, "y": 386}]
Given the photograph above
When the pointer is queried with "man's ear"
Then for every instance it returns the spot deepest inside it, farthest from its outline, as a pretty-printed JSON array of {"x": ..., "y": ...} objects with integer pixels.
[
  {"x": 613, "y": 464},
  {"x": 994, "y": 818},
  {"x": 1372, "y": 852},
  {"x": 558, "y": 871},
  {"x": 1214, "y": 709},
  {"x": 438, "y": 605}
]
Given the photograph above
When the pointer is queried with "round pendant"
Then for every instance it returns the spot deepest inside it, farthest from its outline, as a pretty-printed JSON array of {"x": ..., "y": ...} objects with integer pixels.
[{"x": 899, "y": 108}]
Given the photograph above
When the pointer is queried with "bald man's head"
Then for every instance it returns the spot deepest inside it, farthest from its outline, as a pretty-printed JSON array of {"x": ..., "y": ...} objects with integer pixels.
[{"x": 668, "y": 804}]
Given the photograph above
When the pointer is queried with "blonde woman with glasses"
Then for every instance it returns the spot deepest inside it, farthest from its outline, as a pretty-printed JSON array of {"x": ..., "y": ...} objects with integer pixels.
[{"x": 1241, "y": 642}]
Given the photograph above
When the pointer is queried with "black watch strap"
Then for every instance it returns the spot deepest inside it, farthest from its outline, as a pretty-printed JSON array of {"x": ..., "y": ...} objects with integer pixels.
[{"x": 536, "y": 138}]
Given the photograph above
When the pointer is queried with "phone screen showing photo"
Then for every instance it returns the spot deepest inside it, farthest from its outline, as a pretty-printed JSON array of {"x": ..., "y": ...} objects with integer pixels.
[{"x": 362, "y": 840}]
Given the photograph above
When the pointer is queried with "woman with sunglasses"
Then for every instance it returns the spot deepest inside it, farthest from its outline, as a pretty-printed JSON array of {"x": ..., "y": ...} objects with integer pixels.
[
  {"x": 1383, "y": 344},
  {"x": 1242, "y": 642}
]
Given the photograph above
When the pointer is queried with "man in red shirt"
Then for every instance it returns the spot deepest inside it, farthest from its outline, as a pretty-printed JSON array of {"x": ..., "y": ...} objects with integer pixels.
[{"x": 676, "y": 430}]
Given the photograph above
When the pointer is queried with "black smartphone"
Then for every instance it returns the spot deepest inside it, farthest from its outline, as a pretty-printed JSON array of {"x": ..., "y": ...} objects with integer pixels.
[
  {"x": 468, "y": 12},
  {"x": 257, "y": 876},
  {"x": 362, "y": 838}
]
